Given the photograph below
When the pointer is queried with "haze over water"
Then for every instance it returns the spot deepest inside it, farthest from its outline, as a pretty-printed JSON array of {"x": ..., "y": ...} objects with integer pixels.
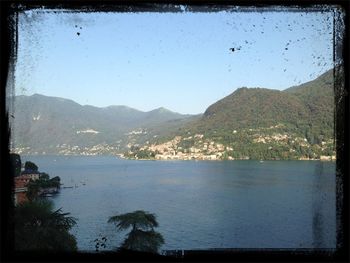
[{"x": 200, "y": 204}]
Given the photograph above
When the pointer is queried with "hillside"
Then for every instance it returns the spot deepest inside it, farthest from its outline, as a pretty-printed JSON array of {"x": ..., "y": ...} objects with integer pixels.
[
  {"x": 56, "y": 125},
  {"x": 255, "y": 123},
  {"x": 309, "y": 108},
  {"x": 260, "y": 123},
  {"x": 252, "y": 108},
  {"x": 318, "y": 99}
]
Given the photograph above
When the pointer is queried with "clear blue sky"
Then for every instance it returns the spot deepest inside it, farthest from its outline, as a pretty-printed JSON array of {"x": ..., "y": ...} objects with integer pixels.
[{"x": 180, "y": 61}]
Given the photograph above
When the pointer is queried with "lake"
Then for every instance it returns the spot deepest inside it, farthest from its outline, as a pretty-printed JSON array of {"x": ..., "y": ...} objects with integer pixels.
[{"x": 200, "y": 204}]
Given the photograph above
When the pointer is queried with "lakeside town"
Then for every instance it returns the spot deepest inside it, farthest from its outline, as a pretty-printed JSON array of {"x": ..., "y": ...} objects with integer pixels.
[{"x": 199, "y": 147}]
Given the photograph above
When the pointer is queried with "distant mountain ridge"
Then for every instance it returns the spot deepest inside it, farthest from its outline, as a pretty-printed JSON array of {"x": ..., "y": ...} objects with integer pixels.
[
  {"x": 43, "y": 122},
  {"x": 306, "y": 111}
]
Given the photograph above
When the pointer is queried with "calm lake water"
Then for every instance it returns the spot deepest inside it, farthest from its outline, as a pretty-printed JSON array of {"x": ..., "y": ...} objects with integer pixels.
[{"x": 200, "y": 204}]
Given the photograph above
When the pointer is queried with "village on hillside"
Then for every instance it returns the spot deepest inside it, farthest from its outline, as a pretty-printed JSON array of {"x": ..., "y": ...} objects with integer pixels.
[{"x": 198, "y": 147}]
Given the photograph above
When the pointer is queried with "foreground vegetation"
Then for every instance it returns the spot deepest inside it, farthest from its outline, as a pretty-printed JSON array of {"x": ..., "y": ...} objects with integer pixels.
[
  {"x": 38, "y": 227},
  {"x": 142, "y": 236}
]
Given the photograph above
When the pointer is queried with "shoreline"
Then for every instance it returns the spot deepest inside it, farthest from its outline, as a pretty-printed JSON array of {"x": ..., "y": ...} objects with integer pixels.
[
  {"x": 218, "y": 160},
  {"x": 121, "y": 156}
]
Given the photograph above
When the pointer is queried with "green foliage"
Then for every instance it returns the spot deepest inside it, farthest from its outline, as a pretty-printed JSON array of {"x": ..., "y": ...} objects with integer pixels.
[
  {"x": 30, "y": 166},
  {"x": 144, "y": 154},
  {"x": 311, "y": 103},
  {"x": 55, "y": 182},
  {"x": 44, "y": 176},
  {"x": 43, "y": 182},
  {"x": 139, "y": 240},
  {"x": 39, "y": 227},
  {"x": 33, "y": 190},
  {"x": 16, "y": 163},
  {"x": 140, "y": 154},
  {"x": 138, "y": 219},
  {"x": 142, "y": 237}
]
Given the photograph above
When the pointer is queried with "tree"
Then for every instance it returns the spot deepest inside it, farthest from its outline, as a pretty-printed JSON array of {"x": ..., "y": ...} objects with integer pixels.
[
  {"x": 16, "y": 163},
  {"x": 44, "y": 182},
  {"x": 30, "y": 166},
  {"x": 33, "y": 190},
  {"x": 55, "y": 182},
  {"x": 44, "y": 176},
  {"x": 39, "y": 227},
  {"x": 142, "y": 237}
]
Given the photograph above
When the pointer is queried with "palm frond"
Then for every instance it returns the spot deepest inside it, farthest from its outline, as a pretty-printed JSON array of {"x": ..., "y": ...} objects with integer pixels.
[{"x": 137, "y": 219}]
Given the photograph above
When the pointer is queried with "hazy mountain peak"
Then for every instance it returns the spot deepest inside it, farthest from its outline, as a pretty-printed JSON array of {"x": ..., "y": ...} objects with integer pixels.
[
  {"x": 162, "y": 110},
  {"x": 121, "y": 108}
]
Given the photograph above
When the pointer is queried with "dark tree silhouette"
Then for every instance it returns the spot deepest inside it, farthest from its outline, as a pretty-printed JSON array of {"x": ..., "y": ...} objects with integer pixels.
[
  {"x": 142, "y": 236},
  {"x": 30, "y": 166},
  {"x": 38, "y": 227}
]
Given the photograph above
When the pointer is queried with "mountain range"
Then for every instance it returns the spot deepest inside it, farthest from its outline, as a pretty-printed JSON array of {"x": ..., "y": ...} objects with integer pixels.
[
  {"x": 43, "y": 123},
  {"x": 60, "y": 126}
]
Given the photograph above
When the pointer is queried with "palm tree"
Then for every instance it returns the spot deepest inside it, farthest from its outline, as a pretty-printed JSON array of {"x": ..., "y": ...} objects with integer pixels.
[
  {"x": 142, "y": 236},
  {"x": 39, "y": 227}
]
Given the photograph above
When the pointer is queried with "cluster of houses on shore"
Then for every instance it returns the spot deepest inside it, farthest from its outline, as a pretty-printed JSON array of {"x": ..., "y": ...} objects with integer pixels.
[
  {"x": 197, "y": 147},
  {"x": 21, "y": 183},
  {"x": 200, "y": 149}
]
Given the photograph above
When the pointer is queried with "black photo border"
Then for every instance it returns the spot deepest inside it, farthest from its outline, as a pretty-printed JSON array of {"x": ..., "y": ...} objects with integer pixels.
[{"x": 8, "y": 48}]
